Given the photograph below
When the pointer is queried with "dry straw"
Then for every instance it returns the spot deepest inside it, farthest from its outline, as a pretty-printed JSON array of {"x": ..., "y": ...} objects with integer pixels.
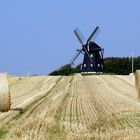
[
  {"x": 5, "y": 100},
  {"x": 137, "y": 83}
]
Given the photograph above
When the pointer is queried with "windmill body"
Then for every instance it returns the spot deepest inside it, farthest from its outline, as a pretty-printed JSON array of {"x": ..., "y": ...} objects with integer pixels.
[
  {"x": 93, "y": 54},
  {"x": 96, "y": 54}
]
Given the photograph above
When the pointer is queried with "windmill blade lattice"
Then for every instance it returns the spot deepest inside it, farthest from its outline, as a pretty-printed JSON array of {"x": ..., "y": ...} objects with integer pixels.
[
  {"x": 92, "y": 34},
  {"x": 79, "y": 35}
]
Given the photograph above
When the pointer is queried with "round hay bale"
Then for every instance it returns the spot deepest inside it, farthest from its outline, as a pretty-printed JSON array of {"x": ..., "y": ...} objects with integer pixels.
[
  {"x": 5, "y": 100},
  {"x": 137, "y": 83}
]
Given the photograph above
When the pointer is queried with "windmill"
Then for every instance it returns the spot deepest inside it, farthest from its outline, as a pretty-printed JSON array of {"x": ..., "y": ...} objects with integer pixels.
[{"x": 93, "y": 54}]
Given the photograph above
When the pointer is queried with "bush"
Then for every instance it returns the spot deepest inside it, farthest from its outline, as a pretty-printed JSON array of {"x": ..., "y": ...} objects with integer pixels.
[{"x": 64, "y": 70}]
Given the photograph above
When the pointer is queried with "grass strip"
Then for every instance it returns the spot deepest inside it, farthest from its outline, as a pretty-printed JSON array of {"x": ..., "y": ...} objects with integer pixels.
[{"x": 3, "y": 133}]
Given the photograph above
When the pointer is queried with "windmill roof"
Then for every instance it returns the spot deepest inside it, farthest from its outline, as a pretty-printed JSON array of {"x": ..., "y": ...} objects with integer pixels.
[{"x": 94, "y": 46}]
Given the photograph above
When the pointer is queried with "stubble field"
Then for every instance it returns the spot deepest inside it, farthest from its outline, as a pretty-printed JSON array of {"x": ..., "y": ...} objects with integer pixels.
[{"x": 99, "y": 107}]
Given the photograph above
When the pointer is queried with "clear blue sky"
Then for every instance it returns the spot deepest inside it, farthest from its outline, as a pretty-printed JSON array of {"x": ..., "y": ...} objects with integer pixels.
[{"x": 36, "y": 36}]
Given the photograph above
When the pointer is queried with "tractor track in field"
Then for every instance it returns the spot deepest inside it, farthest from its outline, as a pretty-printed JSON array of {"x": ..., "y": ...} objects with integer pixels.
[{"x": 40, "y": 102}]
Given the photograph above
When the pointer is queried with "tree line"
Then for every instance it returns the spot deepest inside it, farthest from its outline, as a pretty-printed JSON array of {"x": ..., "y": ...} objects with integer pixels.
[{"x": 113, "y": 65}]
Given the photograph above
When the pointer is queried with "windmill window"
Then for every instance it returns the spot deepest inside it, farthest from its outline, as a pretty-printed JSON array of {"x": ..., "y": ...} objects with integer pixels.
[
  {"x": 91, "y": 55},
  {"x": 91, "y": 65},
  {"x": 84, "y": 65}
]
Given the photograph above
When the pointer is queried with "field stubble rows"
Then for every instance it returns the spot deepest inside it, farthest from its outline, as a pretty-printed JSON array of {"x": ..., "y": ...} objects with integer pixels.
[{"x": 73, "y": 107}]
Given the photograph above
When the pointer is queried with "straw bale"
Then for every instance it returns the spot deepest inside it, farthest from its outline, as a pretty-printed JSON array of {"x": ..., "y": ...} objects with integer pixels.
[{"x": 5, "y": 100}]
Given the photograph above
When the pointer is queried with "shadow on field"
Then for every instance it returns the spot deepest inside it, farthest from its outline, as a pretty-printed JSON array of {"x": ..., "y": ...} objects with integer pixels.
[{"x": 20, "y": 110}]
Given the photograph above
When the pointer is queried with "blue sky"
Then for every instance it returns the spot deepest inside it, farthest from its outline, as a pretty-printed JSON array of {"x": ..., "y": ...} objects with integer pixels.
[{"x": 36, "y": 36}]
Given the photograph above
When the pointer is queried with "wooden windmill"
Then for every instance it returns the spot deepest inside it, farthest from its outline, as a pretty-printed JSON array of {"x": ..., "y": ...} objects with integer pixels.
[{"x": 93, "y": 54}]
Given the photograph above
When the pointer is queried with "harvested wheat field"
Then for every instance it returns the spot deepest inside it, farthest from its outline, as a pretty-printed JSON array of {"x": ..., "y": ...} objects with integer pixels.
[{"x": 100, "y": 107}]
